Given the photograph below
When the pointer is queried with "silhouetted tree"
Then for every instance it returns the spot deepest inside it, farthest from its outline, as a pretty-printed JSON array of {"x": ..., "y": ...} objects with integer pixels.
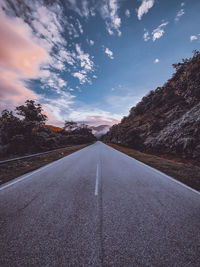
[
  {"x": 32, "y": 112},
  {"x": 10, "y": 126},
  {"x": 27, "y": 132},
  {"x": 32, "y": 119},
  {"x": 70, "y": 126}
]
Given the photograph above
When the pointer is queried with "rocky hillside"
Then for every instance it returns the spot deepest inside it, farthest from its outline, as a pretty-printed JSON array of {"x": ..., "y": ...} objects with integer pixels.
[{"x": 167, "y": 120}]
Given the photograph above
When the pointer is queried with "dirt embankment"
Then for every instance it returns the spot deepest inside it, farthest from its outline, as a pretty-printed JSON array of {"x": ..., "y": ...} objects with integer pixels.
[{"x": 183, "y": 171}]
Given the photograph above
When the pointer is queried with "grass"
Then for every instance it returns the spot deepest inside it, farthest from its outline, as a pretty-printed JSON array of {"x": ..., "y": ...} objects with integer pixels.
[
  {"x": 181, "y": 170},
  {"x": 11, "y": 170}
]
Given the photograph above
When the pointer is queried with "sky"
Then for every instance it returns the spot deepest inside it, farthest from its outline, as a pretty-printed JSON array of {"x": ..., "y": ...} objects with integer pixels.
[{"x": 91, "y": 60}]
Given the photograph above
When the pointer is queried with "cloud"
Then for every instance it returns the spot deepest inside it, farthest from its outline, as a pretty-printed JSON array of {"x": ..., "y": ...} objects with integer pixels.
[
  {"x": 109, "y": 53},
  {"x": 91, "y": 42},
  {"x": 48, "y": 40},
  {"x": 122, "y": 102},
  {"x": 12, "y": 91},
  {"x": 144, "y": 8},
  {"x": 86, "y": 66},
  {"x": 109, "y": 12},
  {"x": 64, "y": 108},
  {"x": 53, "y": 29},
  {"x": 67, "y": 57},
  {"x": 80, "y": 7},
  {"x": 98, "y": 133},
  {"x": 182, "y": 4},
  {"x": 47, "y": 25},
  {"x": 127, "y": 13},
  {"x": 58, "y": 108},
  {"x": 21, "y": 58},
  {"x": 19, "y": 50},
  {"x": 81, "y": 76},
  {"x": 98, "y": 117},
  {"x": 156, "y": 60},
  {"x": 193, "y": 37},
  {"x": 85, "y": 61},
  {"x": 159, "y": 31},
  {"x": 97, "y": 120},
  {"x": 26, "y": 54},
  {"x": 146, "y": 35},
  {"x": 80, "y": 27},
  {"x": 108, "y": 9},
  {"x": 179, "y": 14},
  {"x": 53, "y": 80}
]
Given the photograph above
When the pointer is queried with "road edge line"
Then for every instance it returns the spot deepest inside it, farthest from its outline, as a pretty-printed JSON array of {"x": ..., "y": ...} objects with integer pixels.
[
  {"x": 26, "y": 175},
  {"x": 162, "y": 173}
]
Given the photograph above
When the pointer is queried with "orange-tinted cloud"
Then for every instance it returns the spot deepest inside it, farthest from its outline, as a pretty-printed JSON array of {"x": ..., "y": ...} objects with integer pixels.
[
  {"x": 20, "y": 59},
  {"x": 13, "y": 91},
  {"x": 100, "y": 120}
]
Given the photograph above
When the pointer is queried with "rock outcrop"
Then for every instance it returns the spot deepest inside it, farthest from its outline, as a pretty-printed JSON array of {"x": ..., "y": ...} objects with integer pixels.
[{"x": 167, "y": 120}]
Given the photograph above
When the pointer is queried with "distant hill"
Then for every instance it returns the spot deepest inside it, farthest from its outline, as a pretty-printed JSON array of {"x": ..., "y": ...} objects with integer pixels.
[
  {"x": 97, "y": 130},
  {"x": 100, "y": 130},
  {"x": 167, "y": 120},
  {"x": 53, "y": 128}
]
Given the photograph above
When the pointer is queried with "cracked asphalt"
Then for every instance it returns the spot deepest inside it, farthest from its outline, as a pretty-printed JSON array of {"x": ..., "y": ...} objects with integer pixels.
[{"x": 139, "y": 216}]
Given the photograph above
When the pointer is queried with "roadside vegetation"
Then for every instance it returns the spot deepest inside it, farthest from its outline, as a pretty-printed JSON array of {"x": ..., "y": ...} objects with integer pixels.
[
  {"x": 167, "y": 120},
  {"x": 187, "y": 172},
  {"x": 27, "y": 132}
]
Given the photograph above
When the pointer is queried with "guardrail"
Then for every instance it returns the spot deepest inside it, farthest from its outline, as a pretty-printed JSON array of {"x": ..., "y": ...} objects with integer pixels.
[{"x": 32, "y": 155}]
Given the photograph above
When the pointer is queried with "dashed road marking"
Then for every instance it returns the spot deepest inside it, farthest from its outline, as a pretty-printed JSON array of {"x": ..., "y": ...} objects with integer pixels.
[{"x": 97, "y": 181}]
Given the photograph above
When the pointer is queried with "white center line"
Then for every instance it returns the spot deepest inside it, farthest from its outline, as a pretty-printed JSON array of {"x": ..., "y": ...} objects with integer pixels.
[{"x": 97, "y": 181}]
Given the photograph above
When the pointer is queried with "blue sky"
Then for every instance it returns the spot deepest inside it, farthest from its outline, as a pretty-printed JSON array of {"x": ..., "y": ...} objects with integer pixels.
[{"x": 93, "y": 60}]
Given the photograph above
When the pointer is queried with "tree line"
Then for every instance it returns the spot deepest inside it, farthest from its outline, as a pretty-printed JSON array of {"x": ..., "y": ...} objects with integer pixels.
[{"x": 27, "y": 132}]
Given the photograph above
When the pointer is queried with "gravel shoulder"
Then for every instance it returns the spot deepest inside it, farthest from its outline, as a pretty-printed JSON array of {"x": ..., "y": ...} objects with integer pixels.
[{"x": 183, "y": 171}]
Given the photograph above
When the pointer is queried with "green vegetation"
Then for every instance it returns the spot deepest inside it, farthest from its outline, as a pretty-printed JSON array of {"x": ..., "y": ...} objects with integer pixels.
[{"x": 27, "y": 133}]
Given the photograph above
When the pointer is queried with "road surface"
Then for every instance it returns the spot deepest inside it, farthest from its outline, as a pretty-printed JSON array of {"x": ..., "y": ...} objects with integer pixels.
[{"x": 98, "y": 207}]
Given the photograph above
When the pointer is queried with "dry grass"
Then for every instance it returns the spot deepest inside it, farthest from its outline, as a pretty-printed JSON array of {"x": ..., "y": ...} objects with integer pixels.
[
  {"x": 186, "y": 173},
  {"x": 11, "y": 170}
]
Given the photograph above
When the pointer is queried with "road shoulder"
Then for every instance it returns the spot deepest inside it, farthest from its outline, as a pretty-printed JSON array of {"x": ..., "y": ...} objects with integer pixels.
[
  {"x": 186, "y": 173},
  {"x": 14, "y": 169}
]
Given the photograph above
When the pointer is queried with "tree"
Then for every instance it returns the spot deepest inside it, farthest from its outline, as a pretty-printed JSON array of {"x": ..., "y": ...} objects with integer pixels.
[
  {"x": 27, "y": 133},
  {"x": 10, "y": 125},
  {"x": 32, "y": 113},
  {"x": 32, "y": 120},
  {"x": 84, "y": 129},
  {"x": 196, "y": 53},
  {"x": 70, "y": 126},
  {"x": 7, "y": 116}
]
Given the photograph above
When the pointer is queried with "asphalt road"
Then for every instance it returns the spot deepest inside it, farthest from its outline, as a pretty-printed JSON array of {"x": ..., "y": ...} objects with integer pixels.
[{"x": 98, "y": 207}]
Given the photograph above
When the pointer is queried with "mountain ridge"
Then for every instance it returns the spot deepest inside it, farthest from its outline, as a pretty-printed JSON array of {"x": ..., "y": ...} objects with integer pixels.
[
  {"x": 166, "y": 120},
  {"x": 100, "y": 130}
]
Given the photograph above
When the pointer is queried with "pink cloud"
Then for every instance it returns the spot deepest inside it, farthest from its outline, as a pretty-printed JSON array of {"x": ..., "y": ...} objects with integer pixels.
[
  {"x": 89, "y": 120},
  {"x": 100, "y": 120},
  {"x": 20, "y": 59},
  {"x": 13, "y": 91}
]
